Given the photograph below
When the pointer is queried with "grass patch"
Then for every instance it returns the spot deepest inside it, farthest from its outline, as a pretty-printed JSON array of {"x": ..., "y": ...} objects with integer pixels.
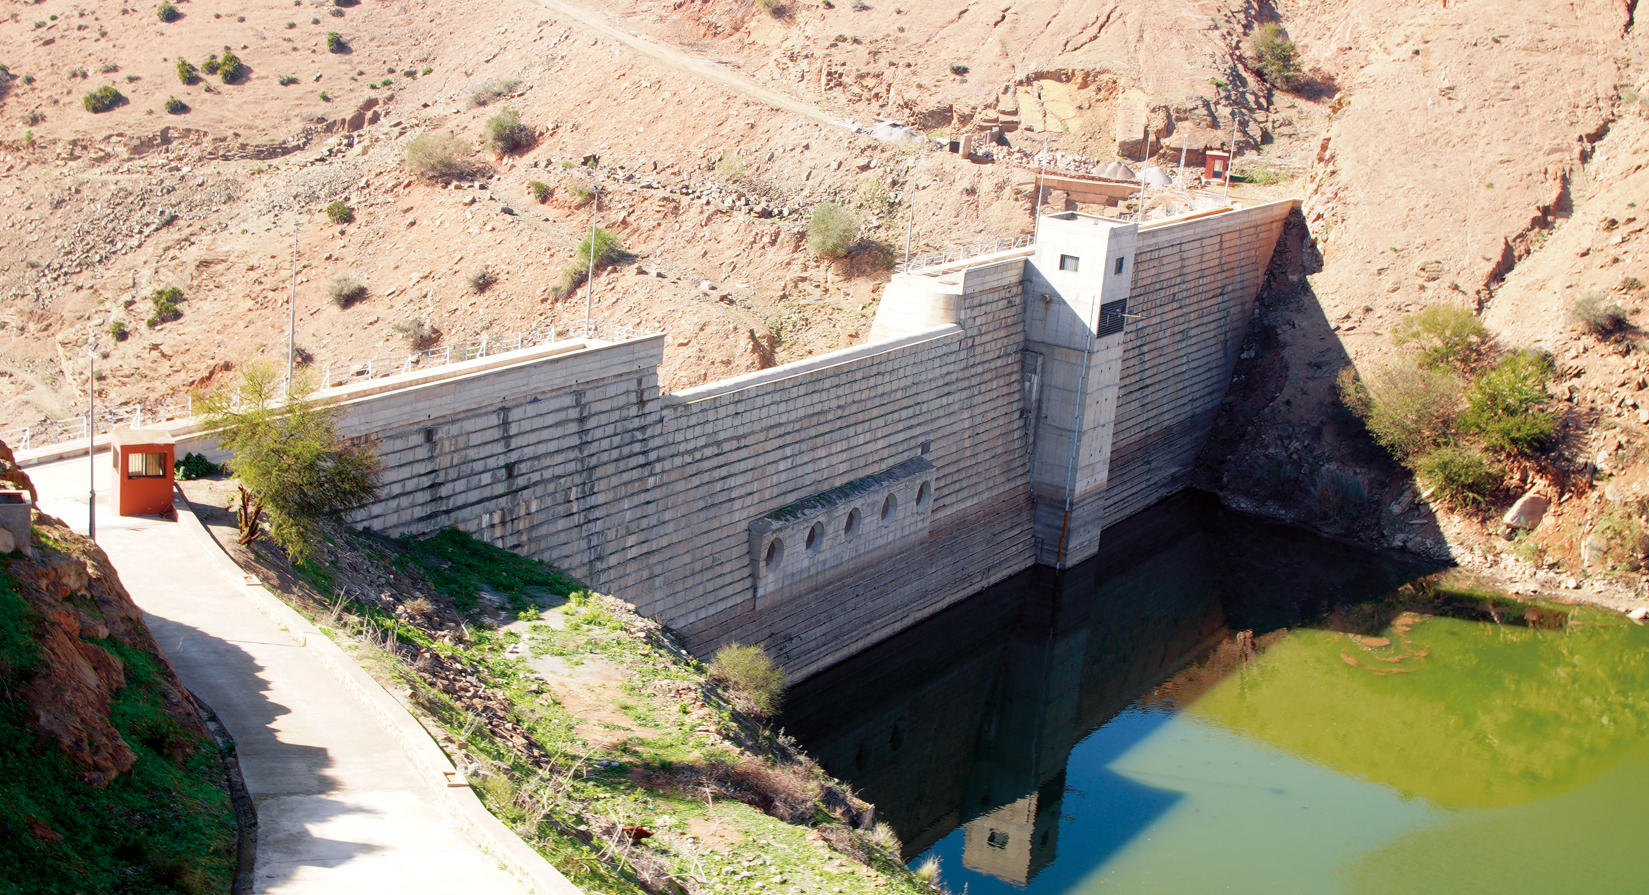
[
  {"x": 438, "y": 157},
  {"x": 459, "y": 566}
]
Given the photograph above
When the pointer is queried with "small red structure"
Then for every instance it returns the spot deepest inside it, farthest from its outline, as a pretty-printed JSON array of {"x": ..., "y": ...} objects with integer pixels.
[
  {"x": 1215, "y": 161},
  {"x": 143, "y": 472}
]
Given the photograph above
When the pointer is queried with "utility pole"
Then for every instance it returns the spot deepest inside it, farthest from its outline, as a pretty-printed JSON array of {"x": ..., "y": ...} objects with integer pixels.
[
  {"x": 589, "y": 292},
  {"x": 1231, "y": 157},
  {"x": 292, "y": 307},
  {"x": 91, "y": 440}
]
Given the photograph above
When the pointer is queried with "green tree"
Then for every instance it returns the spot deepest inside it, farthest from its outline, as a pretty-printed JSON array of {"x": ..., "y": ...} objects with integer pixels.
[
  {"x": 293, "y": 466},
  {"x": 1276, "y": 56}
]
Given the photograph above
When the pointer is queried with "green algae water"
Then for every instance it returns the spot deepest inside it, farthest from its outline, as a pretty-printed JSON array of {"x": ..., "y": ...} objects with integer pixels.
[{"x": 1220, "y": 705}]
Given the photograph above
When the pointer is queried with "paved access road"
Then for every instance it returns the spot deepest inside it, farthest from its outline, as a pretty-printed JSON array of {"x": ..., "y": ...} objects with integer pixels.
[{"x": 340, "y": 807}]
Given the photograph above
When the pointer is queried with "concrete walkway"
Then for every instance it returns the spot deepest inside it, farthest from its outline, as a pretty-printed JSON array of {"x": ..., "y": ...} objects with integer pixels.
[{"x": 341, "y": 808}]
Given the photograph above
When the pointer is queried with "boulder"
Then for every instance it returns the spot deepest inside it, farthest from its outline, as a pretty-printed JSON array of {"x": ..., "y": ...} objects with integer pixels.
[{"x": 1527, "y": 512}]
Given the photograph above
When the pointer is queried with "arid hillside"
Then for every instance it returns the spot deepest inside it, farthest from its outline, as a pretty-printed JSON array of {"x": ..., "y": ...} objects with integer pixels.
[{"x": 710, "y": 132}]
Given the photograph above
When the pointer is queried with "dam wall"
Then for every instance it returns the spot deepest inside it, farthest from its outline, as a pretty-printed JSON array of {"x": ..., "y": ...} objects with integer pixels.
[{"x": 1007, "y": 410}]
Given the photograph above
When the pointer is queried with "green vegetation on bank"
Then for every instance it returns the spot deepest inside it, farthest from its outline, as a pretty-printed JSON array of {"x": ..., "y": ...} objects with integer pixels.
[
  {"x": 591, "y": 732},
  {"x": 1455, "y": 408},
  {"x": 164, "y": 825}
]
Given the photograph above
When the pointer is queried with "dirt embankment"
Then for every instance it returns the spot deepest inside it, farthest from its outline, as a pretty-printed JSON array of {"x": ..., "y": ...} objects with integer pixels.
[{"x": 109, "y": 781}]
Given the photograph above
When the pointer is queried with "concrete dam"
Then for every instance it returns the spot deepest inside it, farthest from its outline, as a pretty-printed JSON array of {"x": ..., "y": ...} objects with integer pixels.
[{"x": 1005, "y": 410}]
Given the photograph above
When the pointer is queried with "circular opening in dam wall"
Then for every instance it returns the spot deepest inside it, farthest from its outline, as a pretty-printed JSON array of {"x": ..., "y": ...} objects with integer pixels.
[
  {"x": 852, "y": 526},
  {"x": 775, "y": 554},
  {"x": 924, "y": 494},
  {"x": 815, "y": 537},
  {"x": 889, "y": 507}
]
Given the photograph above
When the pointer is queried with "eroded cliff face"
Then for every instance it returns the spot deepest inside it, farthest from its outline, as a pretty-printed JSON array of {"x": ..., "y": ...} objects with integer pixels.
[
  {"x": 1488, "y": 155},
  {"x": 77, "y": 612}
]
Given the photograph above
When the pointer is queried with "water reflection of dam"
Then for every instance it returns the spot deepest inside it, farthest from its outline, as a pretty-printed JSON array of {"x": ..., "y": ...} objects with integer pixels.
[{"x": 967, "y": 720}]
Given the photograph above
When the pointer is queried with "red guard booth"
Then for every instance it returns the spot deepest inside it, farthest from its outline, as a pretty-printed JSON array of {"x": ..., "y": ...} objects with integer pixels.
[
  {"x": 143, "y": 472},
  {"x": 1215, "y": 161}
]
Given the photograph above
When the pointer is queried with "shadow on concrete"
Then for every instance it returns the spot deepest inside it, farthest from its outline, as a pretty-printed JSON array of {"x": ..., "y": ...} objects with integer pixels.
[
  {"x": 278, "y": 774},
  {"x": 968, "y": 719}
]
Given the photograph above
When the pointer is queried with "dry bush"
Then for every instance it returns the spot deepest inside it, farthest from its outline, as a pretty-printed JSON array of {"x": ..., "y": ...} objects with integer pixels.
[
  {"x": 438, "y": 157},
  {"x": 345, "y": 290},
  {"x": 753, "y": 680},
  {"x": 1597, "y": 315}
]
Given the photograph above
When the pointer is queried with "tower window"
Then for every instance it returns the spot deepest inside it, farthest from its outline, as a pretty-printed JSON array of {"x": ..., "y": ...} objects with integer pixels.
[{"x": 1068, "y": 262}]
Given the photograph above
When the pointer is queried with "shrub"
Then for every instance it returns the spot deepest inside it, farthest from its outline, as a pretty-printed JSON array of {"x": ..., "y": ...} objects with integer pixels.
[
  {"x": 286, "y": 80},
  {"x": 417, "y": 333},
  {"x": 505, "y": 133},
  {"x": 831, "y": 231},
  {"x": 540, "y": 190},
  {"x": 1276, "y": 56},
  {"x": 438, "y": 157},
  {"x": 1341, "y": 497},
  {"x": 1631, "y": 284},
  {"x": 1459, "y": 476},
  {"x": 166, "y": 309},
  {"x": 606, "y": 247},
  {"x": 1503, "y": 404},
  {"x": 776, "y": 8},
  {"x": 102, "y": 99},
  {"x": 168, "y": 13},
  {"x": 752, "y": 679},
  {"x": 230, "y": 68},
  {"x": 1445, "y": 336},
  {"x": 175, "y": 106},
  {"x": 481, "y": 280},
  {"x": 335, "y": 43},
  {"x": 118, "y": 330},
  {"x": 194, "y": 466},
  {"x": 340, "y": 213},
  {"x": 958, "y": 69},
  {"x": 345, "y": 290},
  {"x": 581, "y": 191},
  {"x": 1408, "y": 407},
  {"x": 210, "y": 66},
  {"x": 1596, "y": 314},
  {"x": 186, "y": 71},
  {"x": 493, "y": 91}
]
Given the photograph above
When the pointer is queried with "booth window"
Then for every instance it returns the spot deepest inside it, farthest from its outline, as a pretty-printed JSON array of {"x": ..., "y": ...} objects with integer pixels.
[{"x": 145, "y": 466}]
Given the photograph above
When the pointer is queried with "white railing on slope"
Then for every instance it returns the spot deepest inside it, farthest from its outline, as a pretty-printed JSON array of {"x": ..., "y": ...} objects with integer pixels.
[
  {"x": 963, "y": 253},
  {"x": 154, "y": 413}
]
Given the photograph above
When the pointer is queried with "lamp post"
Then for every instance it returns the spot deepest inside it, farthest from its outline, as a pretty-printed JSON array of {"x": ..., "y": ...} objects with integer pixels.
[
  {"x": 292, "y": 306},
  {"x": 91, "y": 439}
]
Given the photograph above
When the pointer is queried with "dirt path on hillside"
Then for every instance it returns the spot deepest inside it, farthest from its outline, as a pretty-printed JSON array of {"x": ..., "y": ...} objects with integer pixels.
[{"x": 701, "y": 68}]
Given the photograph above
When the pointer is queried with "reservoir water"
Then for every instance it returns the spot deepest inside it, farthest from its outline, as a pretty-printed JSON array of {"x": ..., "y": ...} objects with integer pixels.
[{"x": 1217, "y": 704}]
